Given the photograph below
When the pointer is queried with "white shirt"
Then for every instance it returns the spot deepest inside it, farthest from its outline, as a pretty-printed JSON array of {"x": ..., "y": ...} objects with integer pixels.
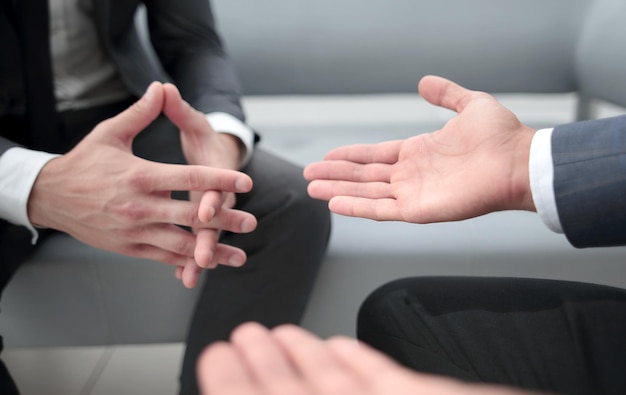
[
  {"x": 80, "y": 82},
  {"x": 84, "y": 75}
]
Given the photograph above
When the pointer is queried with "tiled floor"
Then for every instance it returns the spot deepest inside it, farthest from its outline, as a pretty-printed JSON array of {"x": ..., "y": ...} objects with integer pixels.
[{"x": 287, "y": 125}]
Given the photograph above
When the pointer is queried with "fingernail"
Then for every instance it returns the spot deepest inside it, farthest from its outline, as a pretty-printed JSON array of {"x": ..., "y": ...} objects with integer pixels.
[
  {"x": 236, "y": 260},
  {"x": 247, "y": 226},
  {"x": 209, "y": 215},
  {"x": 241, "y": 184}
]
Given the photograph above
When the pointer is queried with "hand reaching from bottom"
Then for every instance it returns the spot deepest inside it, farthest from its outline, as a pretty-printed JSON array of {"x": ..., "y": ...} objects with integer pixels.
[
  {"x": 476, "y": 164},
  {"x": 290, "y": 361}
]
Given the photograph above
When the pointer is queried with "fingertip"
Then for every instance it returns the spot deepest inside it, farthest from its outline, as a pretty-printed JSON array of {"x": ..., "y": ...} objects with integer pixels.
[
  {"x": 152, "y": 91},
  {"x": 289, "y": 331},
  {"x": 152, "y": 87},
  {"x": 169, "y": 85},
  {"x": 134, "y": 119},
  {"x": 206, "y": 214},
  {"x": 429, "y": 78},
  {"x": 236, "y": 260},
  {"x": 204, "y": 259},
  {"x": 175, "y": 107},
  {"x": 310, "y": 189},
  {"x": 171, "y": 89},
  {"x": 189, "y": 284},
  {"x": 316, "y": 190},
  {"x": 307, "y": 173},
  {"x": 246, "y": 329},
  {"x": 344, "y": 344},
  {"x": 190, "y": 274},
  {"x": 290, "y": 334},
  {"x": 335, "y": 205},
  {"x": 426, "y": 85},
  {"x": 248, "y": 225},
  {"x": 213, "y": 353},
  {"x": 243, "y": 183}
]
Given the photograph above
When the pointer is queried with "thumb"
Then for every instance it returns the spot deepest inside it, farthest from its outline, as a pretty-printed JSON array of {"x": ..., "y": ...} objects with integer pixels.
[
  {"x": 445, "y": 93},
  {"x": 128, "y": 124},
  {"x": 181, "y": 113}
]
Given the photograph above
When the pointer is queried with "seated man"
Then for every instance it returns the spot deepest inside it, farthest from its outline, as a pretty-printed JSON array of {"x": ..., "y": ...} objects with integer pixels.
[
  {"x": 78, "y": 156},
  {"x": 538, "y": 335}
]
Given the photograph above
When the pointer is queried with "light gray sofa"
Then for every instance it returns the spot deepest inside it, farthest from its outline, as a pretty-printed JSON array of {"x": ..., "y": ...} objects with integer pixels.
[{"x": 328, "y": 52}]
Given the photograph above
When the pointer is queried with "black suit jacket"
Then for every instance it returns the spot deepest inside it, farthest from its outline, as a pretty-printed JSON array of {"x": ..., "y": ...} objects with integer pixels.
[{"x": 188, "y": 52}]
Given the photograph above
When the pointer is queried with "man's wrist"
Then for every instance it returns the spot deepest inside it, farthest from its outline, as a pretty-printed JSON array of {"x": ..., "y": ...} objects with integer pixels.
[
  {"x": 227, "y": 124},
  {"x": 234, "y": 145}
]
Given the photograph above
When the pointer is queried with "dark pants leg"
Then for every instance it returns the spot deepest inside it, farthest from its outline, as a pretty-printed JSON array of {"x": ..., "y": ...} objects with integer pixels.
[
  {"x": 284, "y": 252},
  {"x": 558, "y": 336}
]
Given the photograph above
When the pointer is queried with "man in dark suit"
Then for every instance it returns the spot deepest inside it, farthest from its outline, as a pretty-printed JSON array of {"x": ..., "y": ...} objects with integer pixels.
[
  {"x": 545, "y": 335},
  {"x": 73, "y": 150}
]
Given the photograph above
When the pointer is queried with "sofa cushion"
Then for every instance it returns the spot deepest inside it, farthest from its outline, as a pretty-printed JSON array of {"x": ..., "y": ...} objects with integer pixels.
[
  {"x": 356, "y": 46},
  {"x": 601, "y": 52}
]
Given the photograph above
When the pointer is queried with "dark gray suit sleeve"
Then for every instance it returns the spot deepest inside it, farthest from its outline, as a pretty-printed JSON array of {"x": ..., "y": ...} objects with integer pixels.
[
  {"x": 590, "y": 181},
  {"x": 184, "y": 36}
]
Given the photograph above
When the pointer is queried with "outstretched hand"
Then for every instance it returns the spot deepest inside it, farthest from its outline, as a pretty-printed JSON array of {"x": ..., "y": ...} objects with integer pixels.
[
  {"x": 103, "y": 195},
  {"x": 476, "y": 164},
  {"x": 290, "y": 360}
]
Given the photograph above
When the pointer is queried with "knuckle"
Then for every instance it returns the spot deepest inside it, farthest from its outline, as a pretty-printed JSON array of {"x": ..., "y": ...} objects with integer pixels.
[
  {"x": 194, "y": 178},
  {"x": 139, "y": 179},
  {"x": 134, "y": 211},
  {"x": 184, "y": 246},
  {"x": 134, "y": 233},
  {"x": 191, "y": 218}
]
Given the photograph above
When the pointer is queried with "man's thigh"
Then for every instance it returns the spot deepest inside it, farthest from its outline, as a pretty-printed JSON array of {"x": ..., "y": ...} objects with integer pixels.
[
  {"x": 538, "y": 334},
  {"x": 284, "y": 254}
]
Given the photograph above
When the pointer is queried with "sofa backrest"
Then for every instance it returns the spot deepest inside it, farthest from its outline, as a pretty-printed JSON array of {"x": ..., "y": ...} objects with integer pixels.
[
  {"x": 385, "y": 46},
  {"x": 601, "y": 52}
]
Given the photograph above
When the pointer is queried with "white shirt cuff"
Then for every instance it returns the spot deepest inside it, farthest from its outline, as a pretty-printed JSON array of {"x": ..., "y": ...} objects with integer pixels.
[
  {"x": 19, "y": 168},
  {"x": 541, "y": 174},
  {"x": 222, "y": 122}
]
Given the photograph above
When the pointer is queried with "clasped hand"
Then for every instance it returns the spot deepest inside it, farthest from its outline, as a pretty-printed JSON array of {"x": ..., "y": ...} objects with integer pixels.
[{"x": 103, "y": 195}]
